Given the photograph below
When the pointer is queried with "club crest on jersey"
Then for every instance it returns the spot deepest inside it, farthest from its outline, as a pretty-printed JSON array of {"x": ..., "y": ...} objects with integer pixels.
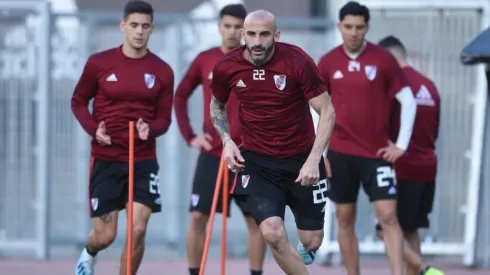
[
  {"x": 280, "y": 81},
  {"x": 95, "y": 203},
  {"x": 194, "y": 200},
  {"x": 149, "y": 80},
  {"x": 370, "y": 71},
  {"x": 245, "y": 179}
]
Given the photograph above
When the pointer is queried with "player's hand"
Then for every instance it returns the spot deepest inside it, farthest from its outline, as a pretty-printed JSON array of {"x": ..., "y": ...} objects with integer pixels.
[
  {"x": 203, "y": 141},
  {"x": 143, "y": 129},
  {"x": 390, "y": 153},
  {"x": 101, "y": 135},
  {"x": 328, "y": 170},
  {"x": 309, "y": 173},
  {"x": 233, "y": 157}
]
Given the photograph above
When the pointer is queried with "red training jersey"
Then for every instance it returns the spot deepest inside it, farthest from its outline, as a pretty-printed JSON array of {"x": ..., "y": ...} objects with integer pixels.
[
  {"x": 420, "y": 162},
  {"x": 124, "y": 90},
  {"x": 274, "y": 109},
  {"x": 200, "y": 73},
  {"x": 362, "y": 89}
]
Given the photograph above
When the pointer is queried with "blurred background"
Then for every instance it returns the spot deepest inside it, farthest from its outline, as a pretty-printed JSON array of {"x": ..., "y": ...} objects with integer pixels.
[{"x": 44, "y": 153}]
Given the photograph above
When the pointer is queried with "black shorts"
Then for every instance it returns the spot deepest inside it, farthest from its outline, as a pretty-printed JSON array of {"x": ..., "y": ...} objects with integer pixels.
[
  {"x": 377, "y": 177},
  {"x": 204, "y": 184},
  {"x": 267, "y": 186},
  {"x": 415, "y": 201},
  {"x": 108, "y": 190}
]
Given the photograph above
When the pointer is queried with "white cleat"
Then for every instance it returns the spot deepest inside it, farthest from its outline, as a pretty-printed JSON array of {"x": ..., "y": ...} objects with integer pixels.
[{"x": 85, "y": 264}]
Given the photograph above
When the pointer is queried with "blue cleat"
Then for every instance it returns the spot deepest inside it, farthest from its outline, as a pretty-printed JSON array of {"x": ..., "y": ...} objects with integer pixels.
[{"x": 308, "y": 256}]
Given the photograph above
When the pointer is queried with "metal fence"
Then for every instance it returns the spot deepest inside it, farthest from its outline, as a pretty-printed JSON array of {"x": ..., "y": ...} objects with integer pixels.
[{"x": 24, "y": 93}]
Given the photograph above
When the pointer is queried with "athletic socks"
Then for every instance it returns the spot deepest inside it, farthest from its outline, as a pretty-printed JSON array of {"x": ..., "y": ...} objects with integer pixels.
[
  {"x": 91, "y": 253},
  {"x": 255, "y": 272}
]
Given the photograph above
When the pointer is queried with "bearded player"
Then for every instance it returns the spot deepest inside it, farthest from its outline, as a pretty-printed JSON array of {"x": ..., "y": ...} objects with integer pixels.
[
  {"x": 209, "y": 143},
  {"x": 280, "y": 163}
]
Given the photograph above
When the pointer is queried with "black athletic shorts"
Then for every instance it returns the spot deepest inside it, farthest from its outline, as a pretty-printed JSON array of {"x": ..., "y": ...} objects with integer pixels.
[
  {"x": 267, "y": 186},
  {"x": 415, "y": 201},
  {"x": 377, "y": 177},
  {"x": 108, "y": 190},
  {"x": 204, "y": 185}
]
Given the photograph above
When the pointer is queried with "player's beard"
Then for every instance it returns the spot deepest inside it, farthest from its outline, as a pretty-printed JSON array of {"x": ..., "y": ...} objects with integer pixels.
[{"x": 267, "y": 54}]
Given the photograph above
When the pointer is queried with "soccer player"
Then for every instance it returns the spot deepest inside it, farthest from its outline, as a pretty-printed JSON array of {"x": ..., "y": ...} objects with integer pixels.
[
  {"x": 127, "y": 83},
  {"x": 280, "y": 162},
  {"x": 416, "y": 171},
  {"x": 364, "y": 80},
  {"x": 200, "y": 72}
]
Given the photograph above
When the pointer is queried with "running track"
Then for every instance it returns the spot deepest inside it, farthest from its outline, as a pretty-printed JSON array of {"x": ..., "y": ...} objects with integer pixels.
[{"x": 178, "y": 267}]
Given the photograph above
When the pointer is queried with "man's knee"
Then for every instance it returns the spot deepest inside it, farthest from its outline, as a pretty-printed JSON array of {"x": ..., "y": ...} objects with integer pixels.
[
  {"x": 198, "y": 221},
  {"x": 273, "y": 232},
  {"x": 141, "y": 217},
  {"x": 105, "y": 228},
  {"x": 386, "y": 212},
  {"x": 346, "y": 216},
  {"x": 139, "y": 233}
]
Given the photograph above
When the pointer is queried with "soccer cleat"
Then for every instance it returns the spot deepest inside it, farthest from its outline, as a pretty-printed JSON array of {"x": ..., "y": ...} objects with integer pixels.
[
  {"x": 85, "y": 264},
  {"x": 308, "y": 256},
  {"x": 431, "y": 271}
]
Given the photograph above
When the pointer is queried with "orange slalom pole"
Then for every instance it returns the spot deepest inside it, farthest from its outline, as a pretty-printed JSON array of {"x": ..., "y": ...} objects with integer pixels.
[
  {"x": 209, "y": 233},
  {"x": 129, "y": 229},
  {"x": 226, "y": 185}
]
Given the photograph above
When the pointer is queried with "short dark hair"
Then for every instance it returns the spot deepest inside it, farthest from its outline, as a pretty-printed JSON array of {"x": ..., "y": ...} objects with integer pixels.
[
  {"x": 391, "y": 42},
  {"x": 138, "y": 6},
  {"x": 235, "y": 10},
  {"x": 356, "y": 9}
]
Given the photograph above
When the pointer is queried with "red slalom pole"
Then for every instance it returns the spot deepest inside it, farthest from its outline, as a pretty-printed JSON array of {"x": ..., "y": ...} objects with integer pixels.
[
  {"x": 226, "y": 185},
  {"x": 214, "y": 206},
  {"x": 129, "y": 229}
]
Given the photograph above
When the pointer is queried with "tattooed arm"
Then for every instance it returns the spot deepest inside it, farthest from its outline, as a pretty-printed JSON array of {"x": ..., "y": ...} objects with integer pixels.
[
  {"x": 323, "y": 106},
  {"x": 219, "y": 118},
  {"x": 231, "y": 153},
  {"x": 221, "y": 88}
]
